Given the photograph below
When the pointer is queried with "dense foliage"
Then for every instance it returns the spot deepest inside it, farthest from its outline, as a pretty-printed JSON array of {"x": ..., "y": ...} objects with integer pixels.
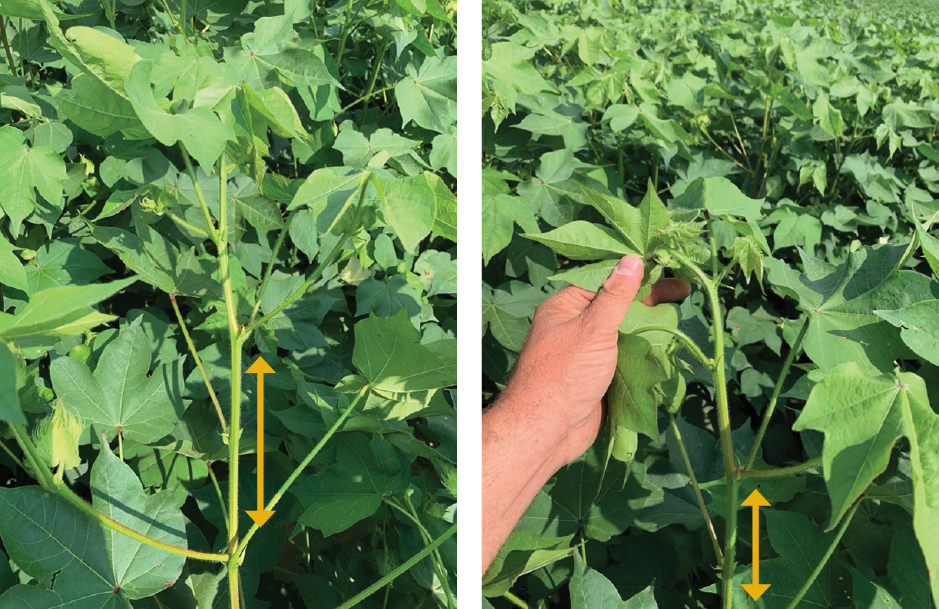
[
  {"x": 191, "y": 188},
  {"x": 781, "y": 156}
]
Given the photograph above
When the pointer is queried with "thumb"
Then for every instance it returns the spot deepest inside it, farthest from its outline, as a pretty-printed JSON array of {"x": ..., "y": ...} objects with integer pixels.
[{"x": 612, "y": 301}]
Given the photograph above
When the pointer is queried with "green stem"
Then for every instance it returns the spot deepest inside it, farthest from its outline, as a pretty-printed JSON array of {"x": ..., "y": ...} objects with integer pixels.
[
  {"x": 345, "y": 34},
  {"x": 221, "y": 499},
  {"x": 358, "y": 598},
  {"x": 234, "y": 437},
  {"x": 781, "y": 471},
  {"x": 195, "y": 355},
  {"x": 732, "y": 479},
  {"x": 367, "y": 97},
  {"x": 697, "y": 489},
  {"x": 306, "y": 461},
  {"x": 59, "y": 488},
  {"x": 438, "y": 561},
  {"x": 514, "y": 600},
  {"x": 684, "y": 338},
  {"x": 303, "y": 288},
  {"x": 831, "y": 550},
  {"x": 6, "y": 46},
  {"x": 771, "y": 407},
  {"x": 195, "y": 186},
  {"x": 187, "y": 225},
  {"x": 12, "y": 456},
  {"x": 371, "y": 82}
]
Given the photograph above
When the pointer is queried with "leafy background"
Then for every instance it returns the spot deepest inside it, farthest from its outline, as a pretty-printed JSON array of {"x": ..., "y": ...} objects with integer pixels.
[
  {"x": 314, "y": 106},
  {"x": 822, "y": 115}
]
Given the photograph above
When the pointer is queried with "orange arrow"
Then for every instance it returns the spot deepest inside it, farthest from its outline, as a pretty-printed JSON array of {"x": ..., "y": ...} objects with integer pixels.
[
  {"x": 260, "y": 367},
  {"x": 756, "y": 589}
]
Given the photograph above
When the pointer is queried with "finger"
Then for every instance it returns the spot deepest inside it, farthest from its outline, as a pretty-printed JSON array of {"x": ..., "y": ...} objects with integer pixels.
[
  {"x": 670, "y": 289},
  {"x": 618, "y": 291}
]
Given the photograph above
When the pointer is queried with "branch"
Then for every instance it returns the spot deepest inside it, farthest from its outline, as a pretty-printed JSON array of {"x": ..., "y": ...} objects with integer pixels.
[
  {"x": 782, "y": 471},
  {"x": 768, "y": 413},
  {"x": 306, "y": 461}
]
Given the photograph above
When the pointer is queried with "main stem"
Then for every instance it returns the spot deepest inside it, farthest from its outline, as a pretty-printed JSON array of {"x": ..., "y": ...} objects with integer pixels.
[{"x": 731, "y": 476}]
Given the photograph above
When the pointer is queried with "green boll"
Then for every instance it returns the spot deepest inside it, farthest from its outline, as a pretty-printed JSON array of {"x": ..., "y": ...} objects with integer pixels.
[{"x": 56, "y": 438}]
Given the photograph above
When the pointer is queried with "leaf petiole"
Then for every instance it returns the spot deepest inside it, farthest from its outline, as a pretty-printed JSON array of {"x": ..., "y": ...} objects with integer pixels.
[
  {"x": 49, "y": 483},
  {"x": 685, "y": 339},
  {"x": 831, "y": 550},
  {"x": 403, "y": 568}
]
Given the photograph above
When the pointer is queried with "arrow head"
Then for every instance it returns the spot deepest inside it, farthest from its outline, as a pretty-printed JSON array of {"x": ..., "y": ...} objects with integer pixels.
[
  {"x": 755, "y": 499},
  {"x": 755, "y": 590},
  {"x": 260, "y": 516},
  {"x": 260, "y": 367}
]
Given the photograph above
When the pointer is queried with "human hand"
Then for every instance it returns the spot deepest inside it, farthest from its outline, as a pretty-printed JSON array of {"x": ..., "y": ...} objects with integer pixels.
[{"x": 569, "y": 356}]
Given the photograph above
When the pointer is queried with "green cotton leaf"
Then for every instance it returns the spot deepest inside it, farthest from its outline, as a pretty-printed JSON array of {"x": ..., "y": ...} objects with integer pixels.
[
  {"x": 331, "y": 197},
  {"x": 908, "y": 574},
  {"x": 862, "y": 417},
  {"x": 251, "y": 207},
  {"x": 30, "y": 9},
  {"x": 388, "y": 352},
  {"x": 720, "y": 197},
  {"x": 632, "y": 401},
  {"x": 828, "y": 117},
  {"x": 589, "y": 276},
  {"x": 62, "y": 311},
  {"x": 621, "y": 116},
  {"x": 89, "y": 565},
  {"x": 588, "y": 498},
  {"x": 930, "y": 247},
  {"x": 28, "y": 170},
  {"x": 119, "y": 395},
  {"x": 919, "y": 327},
  {"x": 620, "y": 214},
  {"x": 158, "y": 261},
  {"x": 523, "y": 552},
  {"x": 366, "y": 470},
  {"x": 653, "y": 217},
  {"x": 746, "y": 252},
  {"x": 510, "y": 73},
  {"x": 841, "y": 305},
  {"x": 506, "y": 313},
  {"x": 443, "y": 153},
  {"x": 899, "y": 115},
  {"x": 580, "y": 240},
  {"x": 63, "y": 262},
  {"x": 10, "y": 409},
  {"x": 409, "y": 208},
  {"x": 444, "y": 208},
  {"x": 500, "y": 213},
  {"x": 427, "y": 95},
  {"x": 868, "y": 594},
  {"x": 795, "y": 228},
  {"x": 591, "y": 590},
  {"x": 12, "y": 272},
  {"x": 199, "y": 129}
]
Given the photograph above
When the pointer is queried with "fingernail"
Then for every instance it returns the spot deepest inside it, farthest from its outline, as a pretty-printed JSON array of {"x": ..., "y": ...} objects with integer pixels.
[{"x": 629, "y": 265}]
